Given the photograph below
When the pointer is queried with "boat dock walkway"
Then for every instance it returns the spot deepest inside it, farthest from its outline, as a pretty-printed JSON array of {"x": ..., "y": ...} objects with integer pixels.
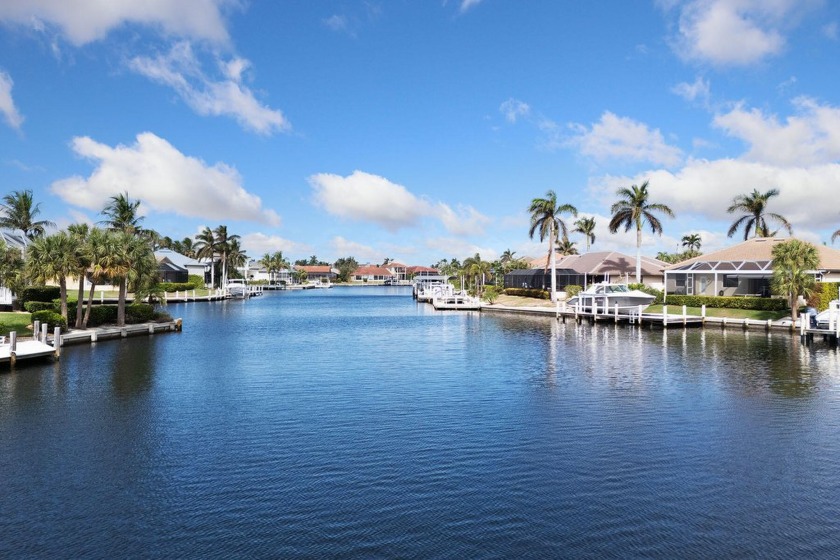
[{"x": 43, "y": 344}]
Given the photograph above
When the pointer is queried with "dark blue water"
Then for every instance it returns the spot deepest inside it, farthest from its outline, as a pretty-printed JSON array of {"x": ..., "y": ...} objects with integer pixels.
[{"x": 354, "y": 423}]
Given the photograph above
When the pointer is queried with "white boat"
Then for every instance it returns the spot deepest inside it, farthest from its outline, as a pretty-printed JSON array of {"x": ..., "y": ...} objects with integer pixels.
[
  {"x": 828, "y": 319},
  {"x": 456, "y": 301},
  {"x": 237, "y": 288},
  {"x": 605, "y": 297}
]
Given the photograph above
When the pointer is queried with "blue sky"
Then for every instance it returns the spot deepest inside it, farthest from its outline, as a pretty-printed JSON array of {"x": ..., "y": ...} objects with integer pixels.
[{"x": 420, "y": 130}]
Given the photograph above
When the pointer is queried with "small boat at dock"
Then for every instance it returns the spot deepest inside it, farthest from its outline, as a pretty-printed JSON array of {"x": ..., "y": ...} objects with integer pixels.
[{"x": 606, "y": 296}]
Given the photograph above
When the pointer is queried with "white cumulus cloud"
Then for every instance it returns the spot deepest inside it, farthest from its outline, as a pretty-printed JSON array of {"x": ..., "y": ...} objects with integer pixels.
[
  {"x": 345, "y": 248},
  {"x": 698, "y": 91},
  {"x": 513, "y": 109},
  {"x": 165, "y": 179},
  {"x": 811, "y": 136},
  {"x": 733, "y": 32},
  {"x": 257, "y": 244},
  {"x": 371, "y": 198},
  {"x": 615, "y": 137},
  {"x": 7, "y": 104},
  {"x": 182, "y": 71},
  {"x": 83, "y": 21}
]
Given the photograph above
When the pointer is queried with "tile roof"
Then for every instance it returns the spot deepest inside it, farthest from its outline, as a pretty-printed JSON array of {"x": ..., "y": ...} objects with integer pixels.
[
  {"x": 372, "y": 271},
  {"x": 315, "y": 269},
  {"x": 176, "y": 258},
  {"x": 759, "y": 249},
  {"x": 603, "y": 262}
]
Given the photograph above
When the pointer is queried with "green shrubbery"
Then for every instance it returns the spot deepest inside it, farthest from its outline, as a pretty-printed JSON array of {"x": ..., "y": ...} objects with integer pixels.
[
  {"x": 572, "y": 290},
  {"x": 38, "y": 293},
  {"x": 195, "y": 282},
  {"x": 528, "y": 292},
  {"x": 134, "y": 313},
  {"x": 756, "y": 303},
  {"x": 35, "y": 306},
  {"x": 51, "y": 318},
  {"x": 825, "y": 293},
  {"x": 648, "y": 290},
  {"x": 491, "y": 294}
]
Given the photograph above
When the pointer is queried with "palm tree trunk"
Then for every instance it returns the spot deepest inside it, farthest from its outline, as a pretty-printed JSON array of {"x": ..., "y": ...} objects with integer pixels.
[
  {"x": 89, "y": 305},
  {"x": 80, "y": 300},
  {"x": 62, "y": 287},
  {"x": 553, "y": 257},
  {"x": 639, "y": 254},
  {"x": 121, "y": 303}
]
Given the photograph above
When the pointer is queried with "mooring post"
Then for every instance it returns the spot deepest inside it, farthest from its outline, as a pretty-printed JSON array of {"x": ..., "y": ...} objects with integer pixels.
[
  {"x": 723, "y": 323},
  {"x": 665, "y": 316},
  {"x": 616, "y": 313},
  {"x": 769, "y": 325},
  {"x": 57, "y": 342},
  {"x": 685, "y": 314},
  {"x": 703, "y": 313},
  {"x": 151, "y": 328},
  {"x": 93, "y": 335},
  {"x": 44, "y": 330},
  {"x": 36, "y": 329},
  {"x": 101, "y": 296}
]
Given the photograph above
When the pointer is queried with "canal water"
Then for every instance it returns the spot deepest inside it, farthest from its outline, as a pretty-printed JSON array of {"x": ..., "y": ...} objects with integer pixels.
[{"x": 355, "y": 423}]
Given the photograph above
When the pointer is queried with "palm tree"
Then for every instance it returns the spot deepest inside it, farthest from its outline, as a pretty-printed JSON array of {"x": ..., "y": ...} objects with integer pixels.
[
  {"x": 79, "y": 233},
  {"x": 221, "y": 242},
  {"x": 96, "y": 248},
  {"x": 128, "y": 259},
  {"x": 52, "y": 258},
  {"x": 586, "y": 226},
  {"x": 17, "y": 212},
  {"x": 478, "y": 270},
  {"x": 566, "y": 247},
  {"x": 205, "y": 249},
  {"x": 754, "y": 206},
  {"x": 691, "y": 241},
  {"x": 507, "y": 256},
  {"x": 835, "y": 235},
  {"x": 121, "y": 214},
  {"x": 236, "y": 256},
  {"x": 793, "y": 264},
  {"x": 632, "y": 210},
  {"x": 545, "y": 219}
]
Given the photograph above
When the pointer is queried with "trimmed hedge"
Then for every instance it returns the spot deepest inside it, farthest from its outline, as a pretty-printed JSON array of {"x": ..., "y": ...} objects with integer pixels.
[
  {"x": 102, "y": 314},
  {"x": 139, "y": 313},
  {"x": 196, "y": 281},
  {"x": 755, "y": 303},
  {"x": 51, "y": 318},
  {"x": 35, "y": 306},
  {"x": 38, "y": 293},
  {"x": 170, "y": 287},
  {"x": 825, "y": 293},
  {"x": 528, "y": 292},
  {"x": 134, "y": 313}
]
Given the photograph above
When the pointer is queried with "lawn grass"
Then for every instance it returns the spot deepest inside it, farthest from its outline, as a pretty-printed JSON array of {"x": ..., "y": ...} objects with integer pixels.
[
  {"x": 723, "y": 312},
  {"x": 18, "y": 322}
]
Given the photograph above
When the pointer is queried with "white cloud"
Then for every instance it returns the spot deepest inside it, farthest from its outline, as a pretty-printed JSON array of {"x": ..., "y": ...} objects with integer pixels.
[
  {"x": 810, "y": 137},
  {"x": 83, "y": 21},
  {"x": 370, "y": 198},
  {"x": 166, "y": 180},
  {"x": 615, "y": 137},
  {"x": 342, "y": 247},
  {"x": 181, "y": 70},
  {"x": 467, "y": 4},
  {"x": 706, "y": 188},
  {"x": 258, "y": 244},
  {"x": 733, "y": 32},
  {"x": 698, "y": 91},
  {"x": 512, "y": 109},
  {"x": 449, "y": 247},
  {"x": 7, "y": 104}
]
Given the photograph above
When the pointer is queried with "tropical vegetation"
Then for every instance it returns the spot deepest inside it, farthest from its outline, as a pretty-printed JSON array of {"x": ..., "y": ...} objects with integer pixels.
[
  {"x": 546, "y": 221},
  {"x": 756, "y": 216},
  {"x": 793, "y": 264}
]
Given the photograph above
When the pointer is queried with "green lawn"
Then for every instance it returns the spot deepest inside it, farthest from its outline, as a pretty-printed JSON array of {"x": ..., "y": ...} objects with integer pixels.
[
  {"x": 18, "y": 322},
  {"x": 724, "y": 312}
]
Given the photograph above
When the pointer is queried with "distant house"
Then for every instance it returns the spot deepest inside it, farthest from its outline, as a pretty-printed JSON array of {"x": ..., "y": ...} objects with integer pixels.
[
  {"x": 318, "y": 273},
  {"x": 420, "y": 271},
  {"x": 398, "y": 270},
  {"x": 745, "y": 269},
  {"x": 583, "y": 270},
  {"x": 368, "y": 273},
  {"x": 175, "y": 267}
]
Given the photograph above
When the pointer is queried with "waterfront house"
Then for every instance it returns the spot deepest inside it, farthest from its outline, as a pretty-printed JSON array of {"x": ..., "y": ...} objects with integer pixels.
[
  {"x": 175, "y": 267},
  {"x": 413, "y": 272},
  {"x": 586, "y": 269},
  {"x": 745, "y": 269},
  {"x": 398, "y": 270},
  {"x": 371, "y": 273},
  {"x": 13, "y": 241},
  {"x": 318, "y": 273}
]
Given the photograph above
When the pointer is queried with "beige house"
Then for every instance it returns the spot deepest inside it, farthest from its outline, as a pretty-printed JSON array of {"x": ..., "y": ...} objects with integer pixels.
[
  {"x": 586, "y": 269},
  {"x": 744, "y": 269}
]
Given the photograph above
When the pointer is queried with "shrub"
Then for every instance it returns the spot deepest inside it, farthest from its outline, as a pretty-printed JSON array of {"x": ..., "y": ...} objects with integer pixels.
[
  {"x": 170, "y": 287},
  {"x": 491, "y": 294},
  {"x": 755, "y": 303},
  {"x": 102, "y": 314},
  {"x": 572, "y": 290},
  {"x": 139, "y": 313},
  {"x": 196, "y": 281},
  {"x": 51, "y": 318},
  {"x": 38, "y": 293},
  {"x": 35, "y": 306},
  {"x": 825, "y": 293},
  {"x": 528, "y": 292}
]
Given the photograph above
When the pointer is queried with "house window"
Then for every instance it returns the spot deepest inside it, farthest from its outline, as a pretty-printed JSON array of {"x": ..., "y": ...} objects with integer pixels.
[{"x": 730, "y": 281}]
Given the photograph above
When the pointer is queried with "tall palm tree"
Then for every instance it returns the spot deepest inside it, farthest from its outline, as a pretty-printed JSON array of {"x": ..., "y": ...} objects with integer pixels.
[
  {"x": 633, "y": 209},
  {"x": 236, "y": 256},
  {"x": 507, "y": 256},
  {"x": 835, "y": 235},
  {"x": 222, "y": 240},
  {"x": 97, "y": 247},
  {"x": 128, "y": 258},
  {"x": 52, "y": 258},
  {"x": 566, "y": 247},
  {"x": 586, "y": 226},
  {"x": 692, "y": 242},
  {"x": 79, "y": 233},
  {"x": 754, "y": 207},
  {"x": 205, "y": 249},
  {"x": 545, "y": 220},
  {"x": 121, "y": 214},
  {"x": 477, "y": 270},
  {"x": 793, "y": 264},
  {"x": 17, "y": 212}
]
